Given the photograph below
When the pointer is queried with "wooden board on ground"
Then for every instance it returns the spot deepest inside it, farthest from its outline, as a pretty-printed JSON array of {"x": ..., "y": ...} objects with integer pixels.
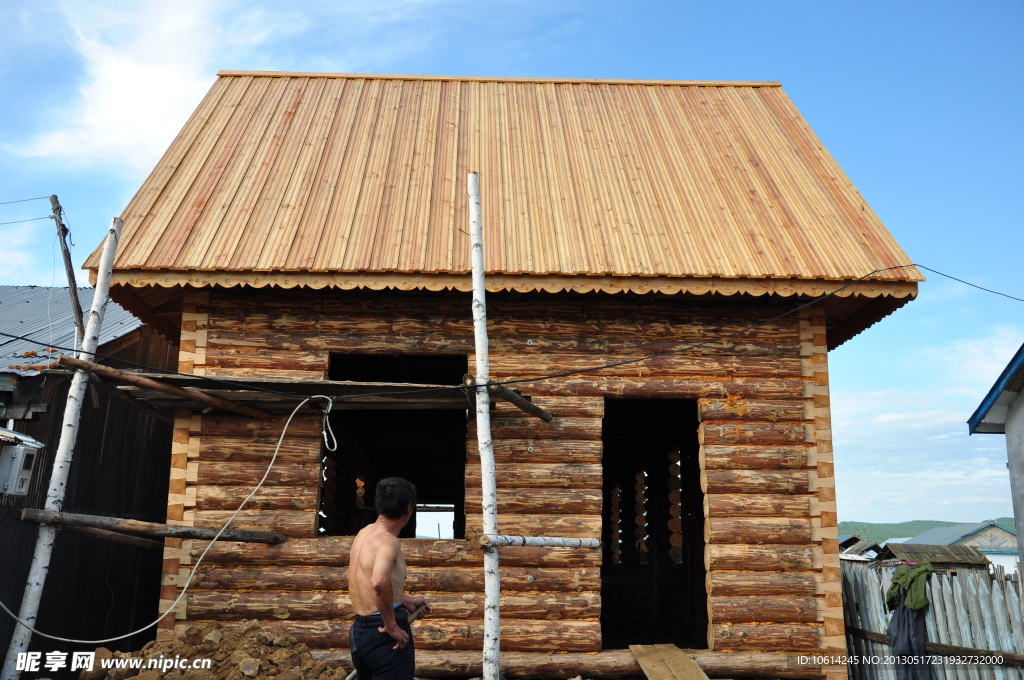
[{"x": 666, "y": 662}]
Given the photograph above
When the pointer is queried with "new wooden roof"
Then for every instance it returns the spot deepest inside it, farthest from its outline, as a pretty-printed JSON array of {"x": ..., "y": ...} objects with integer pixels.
[{"x": 359, "y": 180}]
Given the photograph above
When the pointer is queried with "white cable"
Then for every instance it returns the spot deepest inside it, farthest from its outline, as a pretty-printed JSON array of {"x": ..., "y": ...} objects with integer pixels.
[
  {"x": 326, "y": 427},
  {"x": 193, "y": 572}
]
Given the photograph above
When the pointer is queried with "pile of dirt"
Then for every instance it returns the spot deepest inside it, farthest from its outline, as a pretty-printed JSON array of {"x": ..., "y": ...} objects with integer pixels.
[{"x": 246, "y": 652}]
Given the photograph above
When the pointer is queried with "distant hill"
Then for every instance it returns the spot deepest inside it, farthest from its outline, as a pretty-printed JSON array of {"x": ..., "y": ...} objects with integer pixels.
[{"x": 883, "y": 532}]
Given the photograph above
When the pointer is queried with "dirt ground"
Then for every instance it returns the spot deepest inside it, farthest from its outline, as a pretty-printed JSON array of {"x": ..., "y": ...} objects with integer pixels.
[{"x": 245, "y": 653}]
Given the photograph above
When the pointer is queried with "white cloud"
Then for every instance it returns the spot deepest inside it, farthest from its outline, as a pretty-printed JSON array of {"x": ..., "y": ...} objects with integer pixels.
[
  {"x": 148, "y": 65},
  {"x": 905, "y": 454},
  {"x": 146, "y": 69},
  {"x": 976, "y": 363},
  {"x": 20, "y": 244}
]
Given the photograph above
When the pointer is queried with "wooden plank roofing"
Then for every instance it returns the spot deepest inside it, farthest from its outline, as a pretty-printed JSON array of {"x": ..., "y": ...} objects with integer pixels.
[
  {"x": 359, "y": 180},
  {"x": 936, "y": 554}
]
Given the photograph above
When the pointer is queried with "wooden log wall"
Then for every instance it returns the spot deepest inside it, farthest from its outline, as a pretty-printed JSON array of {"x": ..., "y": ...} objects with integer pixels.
[{"x": 771, "y": 550}]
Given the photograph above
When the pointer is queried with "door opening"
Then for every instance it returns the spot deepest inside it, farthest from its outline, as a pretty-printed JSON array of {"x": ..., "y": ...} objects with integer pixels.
[{"x": 652, "y": 574}]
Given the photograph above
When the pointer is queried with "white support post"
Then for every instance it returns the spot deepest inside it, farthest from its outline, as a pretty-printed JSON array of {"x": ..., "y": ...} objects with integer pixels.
[
  {"x": 492, "y": 578},
  {"x": 62, "y": 459}
]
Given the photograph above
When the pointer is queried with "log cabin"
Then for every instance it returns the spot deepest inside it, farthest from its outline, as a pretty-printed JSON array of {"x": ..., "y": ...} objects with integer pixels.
[{"x": 308, "y": 232}]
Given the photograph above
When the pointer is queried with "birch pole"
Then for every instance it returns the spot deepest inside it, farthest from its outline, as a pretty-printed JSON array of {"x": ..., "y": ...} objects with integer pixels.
[
  {"x": 492, "y": 578},
  {"x": 62, "y": 459}
]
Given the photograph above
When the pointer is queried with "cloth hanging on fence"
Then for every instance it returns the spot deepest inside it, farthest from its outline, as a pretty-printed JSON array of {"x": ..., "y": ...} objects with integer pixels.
[
  {"x": 907, "y": 635},
  {"x": 914, "y": 582}
]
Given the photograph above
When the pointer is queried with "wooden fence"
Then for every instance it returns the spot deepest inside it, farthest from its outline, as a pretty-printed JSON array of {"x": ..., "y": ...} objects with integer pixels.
[{"x": 971, "y": 609}]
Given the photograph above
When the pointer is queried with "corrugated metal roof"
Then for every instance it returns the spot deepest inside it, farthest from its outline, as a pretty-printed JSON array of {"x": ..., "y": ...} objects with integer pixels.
[
  {"x": 291, "y": 179},
  {"x": 44, "y": 314},
  {"x": 947, "y": 535},
  {"x": 952, "y": 534}
]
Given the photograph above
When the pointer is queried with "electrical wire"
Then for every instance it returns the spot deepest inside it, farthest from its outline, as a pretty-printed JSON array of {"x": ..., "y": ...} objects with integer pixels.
[
  {"x": 707, "y": 342},
  {"x": 31, "y": 219},
  {"x": 330, "y": 401},
  {"x": 972, "y": 285},
  {"x": 236, "y": 383},
  {"x": 192, "y": 574},
  {"x": 22, "y": 200},
  {"x": 233, "y": 383}
]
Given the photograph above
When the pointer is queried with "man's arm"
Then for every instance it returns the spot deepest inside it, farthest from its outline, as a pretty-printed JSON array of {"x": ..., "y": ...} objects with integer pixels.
[{"x": 380, "y": 581}]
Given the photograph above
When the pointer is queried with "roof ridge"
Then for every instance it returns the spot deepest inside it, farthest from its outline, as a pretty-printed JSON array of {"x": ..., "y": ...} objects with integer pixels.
[{"x": 492, "y": 79}]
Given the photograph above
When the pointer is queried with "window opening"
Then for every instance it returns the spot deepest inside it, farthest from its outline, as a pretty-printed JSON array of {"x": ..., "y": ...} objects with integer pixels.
[
  {"x": 416, "y": 369},
  {"x": 427, "y": 446},
  {"x": 435, "y": 521}
]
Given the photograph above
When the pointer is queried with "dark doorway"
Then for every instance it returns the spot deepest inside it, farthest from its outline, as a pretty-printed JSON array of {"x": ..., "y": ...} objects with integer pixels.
[
  {"x": 652, "y": 574},
  {"x": 425, "y": 446}
]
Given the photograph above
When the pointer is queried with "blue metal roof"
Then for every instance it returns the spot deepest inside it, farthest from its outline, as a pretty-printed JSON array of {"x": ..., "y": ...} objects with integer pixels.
[
  {"x": 44, "y": 315},
  {"x": 951, "y": 534},
  {"x": 1009, "y": 381}
]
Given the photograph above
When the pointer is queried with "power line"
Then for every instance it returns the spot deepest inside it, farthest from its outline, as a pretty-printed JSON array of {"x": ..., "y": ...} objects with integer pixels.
[
  {"x": 973, "y": 285},
  {"x": 236, "y": 383},
  {"x": 22, "y": 200},
  {"x": 233, "y": 383},
  {"x": 33, "y": 219}
]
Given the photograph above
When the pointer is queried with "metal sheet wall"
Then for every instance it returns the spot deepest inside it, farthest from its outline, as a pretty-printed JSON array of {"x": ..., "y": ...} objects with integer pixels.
[{"x": 95, "y": 589}]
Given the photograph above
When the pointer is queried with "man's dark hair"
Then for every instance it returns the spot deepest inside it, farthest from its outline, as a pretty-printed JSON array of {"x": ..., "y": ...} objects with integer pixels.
[{"x": 393, "y": 497}]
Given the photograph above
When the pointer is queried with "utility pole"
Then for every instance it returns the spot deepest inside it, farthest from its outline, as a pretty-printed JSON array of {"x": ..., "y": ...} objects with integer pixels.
[
  {"x": 62, "y": 459},
  {"x": 62, "y": 235}
]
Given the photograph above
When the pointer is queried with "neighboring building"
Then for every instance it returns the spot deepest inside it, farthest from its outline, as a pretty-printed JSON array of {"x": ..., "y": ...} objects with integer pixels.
[
  {"x": 119, "y": 469},
  {"x": 1002, "y": 412},
  {"x": 995, "y": 542},
  {"x": 855, "y": 547},
  {"x": 44, "y": 315},
  {"x": 311, "y": 229},
  {"x": 944, "y": 558}
]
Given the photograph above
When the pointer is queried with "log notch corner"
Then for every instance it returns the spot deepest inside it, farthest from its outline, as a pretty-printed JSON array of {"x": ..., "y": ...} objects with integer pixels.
[
  {"x": 184, "y": 446},
  {"x": 821, "y": 478}
]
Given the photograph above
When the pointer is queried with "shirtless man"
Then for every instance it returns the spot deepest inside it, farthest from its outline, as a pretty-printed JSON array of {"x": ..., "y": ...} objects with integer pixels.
[{"x": 380, "y": 640}]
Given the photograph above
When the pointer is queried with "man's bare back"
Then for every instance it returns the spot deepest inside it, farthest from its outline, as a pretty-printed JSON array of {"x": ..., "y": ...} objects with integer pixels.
[
  {"x": 376, "y": 582},
  {"x": 375, "y": 550}
]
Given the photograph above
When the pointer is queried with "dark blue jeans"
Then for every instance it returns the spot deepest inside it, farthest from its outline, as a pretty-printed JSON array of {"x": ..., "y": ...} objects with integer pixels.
[{"x": 373, "y": 656}]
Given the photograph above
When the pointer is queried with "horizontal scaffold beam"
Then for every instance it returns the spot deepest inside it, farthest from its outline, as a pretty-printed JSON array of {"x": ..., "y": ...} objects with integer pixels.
[
  {"x": 187, "y": 393},
  {"x": 114, "y": 537},
  {"x": 540, "y": 541},
  {"x": 134, "y": 526}
]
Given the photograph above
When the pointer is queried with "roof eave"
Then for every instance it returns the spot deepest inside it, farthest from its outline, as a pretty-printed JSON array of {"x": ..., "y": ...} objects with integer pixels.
[{"x": 979, "y": 422}]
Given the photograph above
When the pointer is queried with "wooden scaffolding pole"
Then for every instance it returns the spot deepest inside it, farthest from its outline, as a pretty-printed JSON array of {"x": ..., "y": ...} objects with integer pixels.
[
  {"x": 72, "y": 519},
  {"x": 492, "y": 578},
  {"x": 62, "y": 459}
]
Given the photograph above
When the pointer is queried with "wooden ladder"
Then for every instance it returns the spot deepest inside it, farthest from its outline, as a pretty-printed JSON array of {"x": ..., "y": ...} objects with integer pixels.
[{"x": 666, "y": 662}]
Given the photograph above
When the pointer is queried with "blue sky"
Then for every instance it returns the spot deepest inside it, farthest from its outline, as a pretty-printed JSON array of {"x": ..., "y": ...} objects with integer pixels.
[{"x": 918, "y": 101}]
